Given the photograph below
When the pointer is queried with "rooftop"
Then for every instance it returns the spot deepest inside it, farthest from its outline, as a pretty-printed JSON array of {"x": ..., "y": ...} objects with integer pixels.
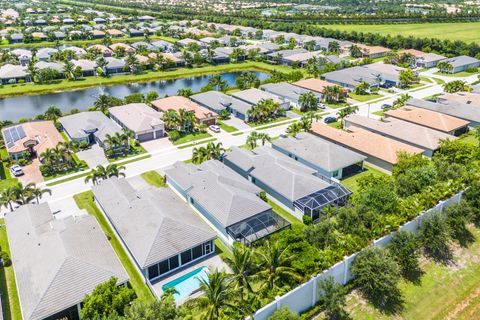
[
  {"x": 42, "y": 135},
  {"x": 178, "y": 102},
  {"x": 80, "y": 124},
  {"x": 218, "y": 101},
  {"x": 137, "y": 116}
]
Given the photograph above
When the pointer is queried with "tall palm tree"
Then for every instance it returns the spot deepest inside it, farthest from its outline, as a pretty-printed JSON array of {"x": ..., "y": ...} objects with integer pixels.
[
  {"x": 308, "y": 101},
  {"x": 68, "y": 69},
  {"x": 171, "y": 119},
  {"x": 242, "y": 265},
  {"x": 252, "y": 140},
  {"x": 199, "y": 155},
  {"x": 215, "y": 151},
  {"x": 294, "y": 129},
  {"x": 24, "y": 193},
  {"x": 114, "y": 170},
  {"x": 275, "y": 265},
  {"x": 38, "y": 193},
  {"x": 346, "y": 112},
  {"x": 264, "y": 137},
  {"x": 102, "y": 103},
  {"x": 8, "y": 196},
  {"x": 53, "y": 113},
  {"x": 217, "y": 296},
  {"x": 97, "y": 174}
]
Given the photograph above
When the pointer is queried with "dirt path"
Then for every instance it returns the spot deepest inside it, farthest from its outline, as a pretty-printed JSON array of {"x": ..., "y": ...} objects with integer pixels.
[{"x": 464, "y": 304}]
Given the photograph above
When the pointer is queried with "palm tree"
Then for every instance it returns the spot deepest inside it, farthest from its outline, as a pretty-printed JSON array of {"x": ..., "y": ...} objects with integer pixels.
[
  {"x": 53, "y": 113},
  {"x": 308, "y": 101},
  {"x": 171, "y": 119},
  {"x": 215, "y": 151},
  {"x": 252, "y": 140},
  {"x": 275, "y": 265},
  {"x": 32, "y": 69},
  {"x": 346, "y": 112},
  {"x": 217, "y": 295},
  {"x": 294, "y": 129},
  {"x": 401, "y": 100},
  {"x": 199, "y": 155},
  {"x": 24, "y": 193},
  {"x": 187, "y": 119},
  {"x": 217, "y": 82},
  {"x": 68, "y": 68},
  {"x": 185, "y": 92},
  {"x": 242, "y": 265},
  {"x": 132, "y": 63},
  {"x": 114, "y": 170},
  {"x": 8, "y": 196},
  {"x": 97, "y": 174},
  {"x": 102, "y": 103},
  {"x": 264, "y": 137},
  {"x": 38, "y": 193}
]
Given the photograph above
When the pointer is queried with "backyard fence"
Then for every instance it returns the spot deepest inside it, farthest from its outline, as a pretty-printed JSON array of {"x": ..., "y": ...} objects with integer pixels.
[{"x": 304, "y": 297}]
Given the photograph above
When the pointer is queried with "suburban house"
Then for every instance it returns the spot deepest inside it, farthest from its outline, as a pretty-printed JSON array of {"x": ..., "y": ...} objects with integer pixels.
[
  {"x": 462, "y": 63},
  {"x": 376, "y": 74},
  {"x": 122, "y": 46},
  {"x": 104, "y": 50},
  {"x": 145, "y": 122},
  {"x": 218, "y": 101},
  {"x": 33, "y": 137},
  {"x": 469, "y": 98},
  {"x": 202, "y": 114},
  {"x": 318, "y": 86},
  {"x": 463, "y": 111},
  {"x": 40, "y": 65},
  {"x": 159, "y": 230},
  {"x": 329, "y": 159},
  {"x": 44, "y": 54},
  {"x": 366, "y": 143},
  {"x": 253, "y": 96},
  {"x": 87, "y": 66},
  {"x": 185, "y": 43},
  {"x": 288, "y": 92},
  {"x": 115, "y": 65},
  {"x": 372, "y": 51},
  {"x": 229, "y": 203},
  {"x": 422, "y": 59},
  {"x": 403, "y": 131},
  {"x": 282, "y": 54},
  {"x": 91, "y": 127},
  {"x": 58, "y": 261},
  {"x": 296, "y": 187},
  {"x": 12, "y": 73},
  {"x": 430, "y": 119}
]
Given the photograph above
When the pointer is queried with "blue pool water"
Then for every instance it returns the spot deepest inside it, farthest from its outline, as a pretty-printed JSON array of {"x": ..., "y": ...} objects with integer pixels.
[{"x": 187, "y": 283}]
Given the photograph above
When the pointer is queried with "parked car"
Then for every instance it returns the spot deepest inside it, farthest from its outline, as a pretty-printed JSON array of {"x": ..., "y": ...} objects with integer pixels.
[
  {"x": 321, "y": 105},
  {"x": 16, "y": 170},
  {"x": 214, "y": 128},
  {"x": 386, "y": 106},
  {"x": 329, "y": 119}
]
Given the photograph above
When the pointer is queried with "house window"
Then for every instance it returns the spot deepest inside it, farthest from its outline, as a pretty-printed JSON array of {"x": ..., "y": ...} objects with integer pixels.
[
  {"x": 173, "y": 262},
  {"x": 163, "y": 267},
  {"x": 207, "y": 247},
  {"x": 197, "y": 252},
  {"x": 153, "y": 272},
  {"x": 186, "y": 256},
  {"x": 335, "y": 173}
]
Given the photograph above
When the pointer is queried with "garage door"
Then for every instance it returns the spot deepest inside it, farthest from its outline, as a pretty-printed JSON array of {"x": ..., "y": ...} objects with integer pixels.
[
  {"x": 145, "y": 136},
  {"x": 159, "y": 134}
]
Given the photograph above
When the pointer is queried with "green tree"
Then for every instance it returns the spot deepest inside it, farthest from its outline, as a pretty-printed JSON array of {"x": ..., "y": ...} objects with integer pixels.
[
  {"x": 308, "y": 101},
  {"x": 377, "y": 275},
  {"x": 405, "y": 249},
  {"x": 242, "y": 265},
  {"x": 284, "y": 314},
  {"x": 332, "y": 298},
  {"x": 163, "y": 309},
  {"x": 106, "y": 299},
  {"x": 53, "y": 113},
  {"x": 435, "y": 234},
  {"x": 458, "y": 216}
]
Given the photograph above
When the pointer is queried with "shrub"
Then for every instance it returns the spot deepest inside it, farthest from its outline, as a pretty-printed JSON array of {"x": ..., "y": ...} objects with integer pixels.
[
  {"x": 83, "y": 145},
  {"x": 405, "y": 249},
  {"x": 263, "y": 195},
  {"x": 307, "y": 220},
  {"x": 173, "y": 135},
  {"x": 284, "y": 314},
  {"x": 22, "y": 162},
  {"x": 435, "y": 236},
  {"x": 471, "y": 70},
  {"x": 6, "y": 261},
  {"x": 332, "y": 297}
]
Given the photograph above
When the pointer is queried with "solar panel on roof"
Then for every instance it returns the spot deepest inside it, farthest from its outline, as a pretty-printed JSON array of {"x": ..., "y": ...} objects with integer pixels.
[
  {"x": 8, "y": 136},
  {"x": 10, "y": 144},
  {"x": 13, "y": 132},
  {"x": 21, "y": 132}
]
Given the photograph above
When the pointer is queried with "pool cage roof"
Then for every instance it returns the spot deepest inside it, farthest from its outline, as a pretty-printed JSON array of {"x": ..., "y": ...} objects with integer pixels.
[
  {"x": 336, "y": 194},
  {"x": 257, "y": 227}
]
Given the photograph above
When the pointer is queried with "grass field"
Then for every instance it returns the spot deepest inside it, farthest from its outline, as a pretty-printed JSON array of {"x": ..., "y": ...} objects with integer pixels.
[
  {"x": 84, "y": 200},
  {"x": 8, "y": 287},
  {"x": 364, "y": 98},
  {"x": 465, "y": 31},
  {"x": 444, "y": 292}
]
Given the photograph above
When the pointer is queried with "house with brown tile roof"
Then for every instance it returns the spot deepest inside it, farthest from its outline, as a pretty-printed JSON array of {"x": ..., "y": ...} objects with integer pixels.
[
  {"x": 114, "y": 32},
  {"x": 126, "y": 47},
  {"x": 203, "y": 115},
  {"x": 429, "y": 119},
  {"x": 33, "y": 136},
  {"x": 317, "y": 85},
  {"x": 381, "y": 152},
  {"x": 372, "y": 51}
]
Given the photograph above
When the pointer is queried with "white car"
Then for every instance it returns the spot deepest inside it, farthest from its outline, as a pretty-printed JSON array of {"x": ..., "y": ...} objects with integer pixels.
[
  {"x": 214, "y": 128},
  {"x": 16, "y": 170}
]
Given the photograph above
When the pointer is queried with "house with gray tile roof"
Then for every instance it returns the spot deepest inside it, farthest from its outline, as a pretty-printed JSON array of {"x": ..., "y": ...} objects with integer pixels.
[
  {"x": 13, "y": 73},
  {"x": 40, "y": 65},
  {"x": 218, "y": 101},
  {"x": 58, "y": 261},
  {"x": 329, "y": 159},
  {"x": 44, "y": 54},
  {"x": 298, "y": 188},
  {"x": 115, "y": 65},
  {"x": 161, "y": 231},
  {"x": 87, "y": 66},
  {"x": 288, "y": 92},
  {"x": 145, "y": 122},
  {"x": 253, "y": 96},
  {"x": 462, "y": 63},
  {"x": 463, "y": 111},
  {"x": 226, "y": 200},
  {"x": 91, "y": 127}
]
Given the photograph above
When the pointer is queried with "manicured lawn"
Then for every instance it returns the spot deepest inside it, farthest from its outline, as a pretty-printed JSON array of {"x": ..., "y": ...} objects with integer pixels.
[
  {"x": 32, "y": 89},
  {"x": 352, "y": 181},
  {"x": 222, "y": 249},
  {"x": 194, "y": 136},
  {"x": 81, "y": 166},
  {"x": 122, "y": 163},
  {"x": 465, "y": 31},
  {"x": 184, "y": 146},
  {"x": 444, "y": 292},
  {"x": 335, "y": 105},
  {"x": 154, "y": 178},
  {"x": 295, "y": 110},
  {"x": 363, "y": 98},
  {"x": 336, "y": 124},
  {"x": 6, "y": 179},
  {"x": 261, "y": 124},
  {"x": 226, "y": 127},
  {"x": 470, "y": 138},
  {"x": 8, "y": 287},
  {"x": 137, "y": 150},
  {"x": 77, "y": 176},
  {"x": 458, "y": 74},
  {"x": 380, "y": 113},
  {"x": 284, "y": 213},
  {"x": 84, "y": 200},
  {"x": 237, "y": 134}
]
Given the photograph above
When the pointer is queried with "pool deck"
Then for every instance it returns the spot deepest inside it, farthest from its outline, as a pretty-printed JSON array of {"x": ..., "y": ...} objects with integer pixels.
[{"x": 213, "y": 262}]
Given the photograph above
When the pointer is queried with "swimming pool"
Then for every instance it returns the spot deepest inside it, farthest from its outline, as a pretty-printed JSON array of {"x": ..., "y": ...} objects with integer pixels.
[{"x": 187, "y": 283}]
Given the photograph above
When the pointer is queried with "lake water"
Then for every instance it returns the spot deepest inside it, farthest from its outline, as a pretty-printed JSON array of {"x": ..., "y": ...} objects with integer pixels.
[{"x": 16, "y": 108}]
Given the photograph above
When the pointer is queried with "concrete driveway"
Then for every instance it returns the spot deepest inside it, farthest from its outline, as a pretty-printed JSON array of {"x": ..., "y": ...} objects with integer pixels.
[
  {"x": 65, "y": 207},
  {"x": 237, "y": 123},
  {"x": 93, "y": 156},
  {"x": 157, "y": 144}
]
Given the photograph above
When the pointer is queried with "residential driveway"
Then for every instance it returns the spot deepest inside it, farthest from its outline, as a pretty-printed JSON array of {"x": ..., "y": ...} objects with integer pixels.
[
  {"x": 291, "y": 114},
  {"x": 31, "y": 173},
  {"x": 157, "y": 144},
  {"x": 93, "y": 156},
  {"x": 237, "y": 123},
  {"x": 138, "y": 183},
  {"x": 65, "y": 207}
]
